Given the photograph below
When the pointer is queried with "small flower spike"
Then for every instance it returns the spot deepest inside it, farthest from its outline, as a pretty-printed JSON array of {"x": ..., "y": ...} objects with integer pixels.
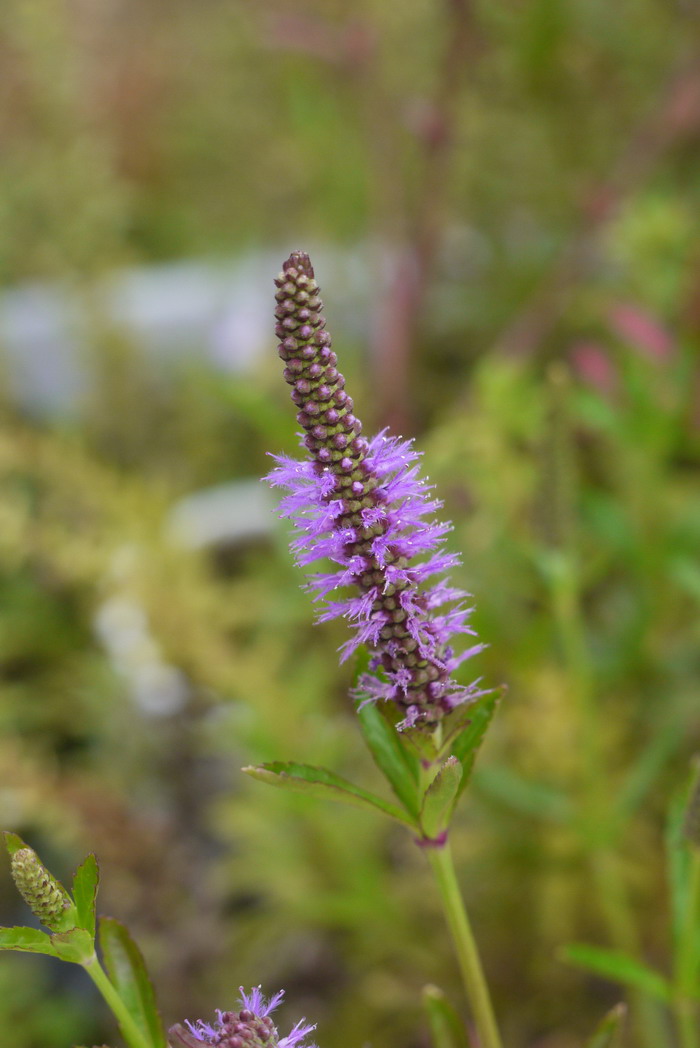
[
  {"x": 362, "y": 505},
  {"x": 250, "y": 1027},
  {"x": 44, "y": 896}
]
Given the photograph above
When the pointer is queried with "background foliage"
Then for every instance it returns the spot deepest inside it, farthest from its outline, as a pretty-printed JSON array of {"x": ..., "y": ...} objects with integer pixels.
[{"x": 507, "y": 194}]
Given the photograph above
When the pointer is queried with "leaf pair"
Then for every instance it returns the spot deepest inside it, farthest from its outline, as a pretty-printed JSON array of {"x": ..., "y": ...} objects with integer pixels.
[
  {"x": 427, "y": 810},
  {"x": 75, "y": 943},
  {"x": 73, "y": 940}
]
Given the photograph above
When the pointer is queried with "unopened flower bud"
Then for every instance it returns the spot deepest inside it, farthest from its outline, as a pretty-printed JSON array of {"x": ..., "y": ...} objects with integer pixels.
[{"x": 44, "y": 896}]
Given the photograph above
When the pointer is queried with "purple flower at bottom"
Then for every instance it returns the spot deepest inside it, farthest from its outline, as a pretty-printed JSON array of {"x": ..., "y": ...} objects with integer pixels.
[
  {"x": 362, "y": 505},
  {"x": 249, "y": 1027}
]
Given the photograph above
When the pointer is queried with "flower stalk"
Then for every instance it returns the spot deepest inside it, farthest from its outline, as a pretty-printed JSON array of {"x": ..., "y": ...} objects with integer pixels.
[
  {"x": 361, "y": 504},
  {"x": 129, "y": 1028},
  {"x": 466, "y": 948}
]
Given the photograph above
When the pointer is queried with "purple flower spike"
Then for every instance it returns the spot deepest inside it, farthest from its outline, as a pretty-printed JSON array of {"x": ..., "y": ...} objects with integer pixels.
[
  {"x": 250, "y": 1027},
  {"x": 362, "y": 505}
]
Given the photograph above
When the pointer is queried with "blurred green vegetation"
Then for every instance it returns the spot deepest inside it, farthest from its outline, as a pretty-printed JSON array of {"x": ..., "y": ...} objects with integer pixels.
[{"x": 525, "y": 174}]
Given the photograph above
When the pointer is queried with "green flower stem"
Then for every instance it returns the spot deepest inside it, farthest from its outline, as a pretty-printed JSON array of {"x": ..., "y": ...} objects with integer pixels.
[
  {"x": 465, "y": 945},
  {"x": 132, "y": 1034},
  {"x": 685, "y": 1007}
]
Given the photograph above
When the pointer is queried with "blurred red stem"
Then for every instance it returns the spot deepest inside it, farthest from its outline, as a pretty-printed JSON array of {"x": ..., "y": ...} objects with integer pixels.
[{"x": 412, "y": 263}]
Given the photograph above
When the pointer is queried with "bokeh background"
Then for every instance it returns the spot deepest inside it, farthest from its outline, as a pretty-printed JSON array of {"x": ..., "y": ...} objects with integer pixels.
[{"x": 501, "y": 198}]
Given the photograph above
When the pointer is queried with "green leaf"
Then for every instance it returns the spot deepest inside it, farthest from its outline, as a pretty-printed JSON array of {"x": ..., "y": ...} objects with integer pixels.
[
  {"x": 440, "y": 799},
  {"x": 466, "y": 745},
  {"x": 319, "y": 782},
  {"x": 691, "y": 815},
  {"x": 454, "y": 724},
  {"x": 618, "y": 967},
  {"x": 76, "y": 945},
  {"x": 13, "y": 842},
  {"x": 531, "y": 798},
  {"x": 85, "y": 884},
  {"x": 664, "y": 742},
  {"x": 127, "y": 972},
  {"x": 608, "y": 1034},
  {"x": 399, "y": 766},
  {"x": 29, "y": 940},
  {"x": 678, "y": 858},
  {"x": 683, "y": 859},
  {"x": 446, "y": 1028}
]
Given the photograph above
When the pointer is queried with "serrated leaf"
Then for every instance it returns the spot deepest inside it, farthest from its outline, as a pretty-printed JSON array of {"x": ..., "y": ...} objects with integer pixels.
[
  {"x": 608, "y": 1034},
  {"x": 399, "y": 767},
  {"x": 618, "y": 967},
  {"x": 446, "y": 1028},
  {"x": 320, "y": 782},
  {"x": 467, "y": 743},
  {"x": 440, "y": 799},
  {"x": 85, "y": 884},
  {"x": 76, "y": 945},
  {"x": 28, "y": 940},
  {"x": 127, "y": 972}
]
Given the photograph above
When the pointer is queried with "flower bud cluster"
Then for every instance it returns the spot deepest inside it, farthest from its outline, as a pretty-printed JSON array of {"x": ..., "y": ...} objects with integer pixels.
[
  {"x": 44, "y": 896},
  {"x": 318, "y": 388}
]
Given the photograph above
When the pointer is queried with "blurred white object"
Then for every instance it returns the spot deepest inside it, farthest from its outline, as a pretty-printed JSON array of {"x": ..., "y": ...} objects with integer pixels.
[
  {"x": 218, "y": 313},
  {"x": 225, "y": 515},
  {"x": 155, "y": 686}
]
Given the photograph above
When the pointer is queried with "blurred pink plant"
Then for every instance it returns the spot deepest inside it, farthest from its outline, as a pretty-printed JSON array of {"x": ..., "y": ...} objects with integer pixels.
[
  {"x": 593, "y": 365},
  {"x": 638, "y": 327}
]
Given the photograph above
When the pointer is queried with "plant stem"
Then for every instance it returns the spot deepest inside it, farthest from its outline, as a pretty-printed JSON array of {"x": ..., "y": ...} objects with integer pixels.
[
  {"x": 465, "y": 945},
  {"x": 687, "y": 964},
  {"x": 132, "y": 1034}
]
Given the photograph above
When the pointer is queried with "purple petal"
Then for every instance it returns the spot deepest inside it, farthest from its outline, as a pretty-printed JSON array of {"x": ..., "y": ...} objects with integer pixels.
[
  {"x": 297, "y": 1035},
  {"x": 256, "y": 1002}
]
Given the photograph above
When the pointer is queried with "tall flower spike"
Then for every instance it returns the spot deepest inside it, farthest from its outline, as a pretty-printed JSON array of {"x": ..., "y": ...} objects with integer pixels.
[
  {"x": 250, "y": 1027},
  {"x": 44, "y": 896},
  {"x": 362, "y": 505}
]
